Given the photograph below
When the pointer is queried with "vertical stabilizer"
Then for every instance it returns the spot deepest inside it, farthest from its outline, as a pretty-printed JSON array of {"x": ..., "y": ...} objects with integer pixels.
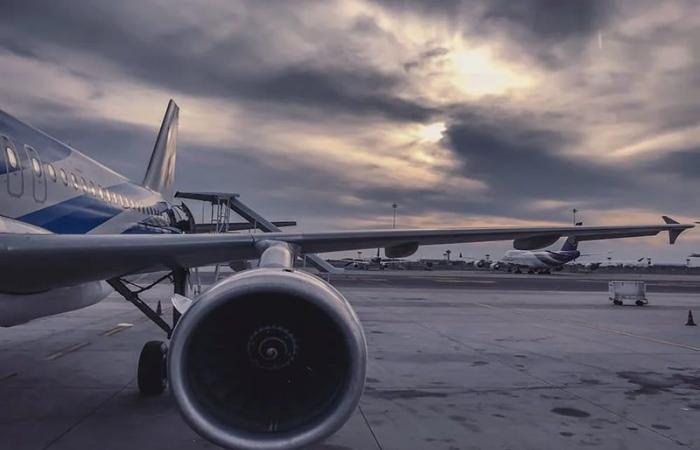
[
  {"x": 570, "y": 245},
  {"x": 160, "y": 175}
]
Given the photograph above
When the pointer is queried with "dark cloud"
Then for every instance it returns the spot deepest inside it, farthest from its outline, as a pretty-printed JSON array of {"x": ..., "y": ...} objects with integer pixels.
[
  {"x": 523, "y": 162},
  {"x": 551, "y": 20},
  {"x": 553, "y": 33},
  {"x": 684, "y": 164},
  {"x": 343, "y": 91},
  {"x": 191, "y": 60}
]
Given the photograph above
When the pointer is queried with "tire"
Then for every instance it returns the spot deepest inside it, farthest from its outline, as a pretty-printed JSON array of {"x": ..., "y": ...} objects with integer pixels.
[
  {"x": 152, "y": 371},
  {"x": 639, "y": 303}
]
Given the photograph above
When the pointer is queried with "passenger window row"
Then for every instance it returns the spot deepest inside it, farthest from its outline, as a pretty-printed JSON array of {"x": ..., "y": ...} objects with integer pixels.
[{"x": 80, "y": 184}]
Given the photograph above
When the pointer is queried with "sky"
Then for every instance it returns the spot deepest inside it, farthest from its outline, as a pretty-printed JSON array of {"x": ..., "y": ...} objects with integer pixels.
[{"x": 464, "y": 113}]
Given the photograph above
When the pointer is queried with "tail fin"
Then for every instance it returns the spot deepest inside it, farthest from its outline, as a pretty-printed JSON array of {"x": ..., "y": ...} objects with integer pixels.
[
  {"x": 570, "y": 245},
  {"x": 160, "y": 174}
]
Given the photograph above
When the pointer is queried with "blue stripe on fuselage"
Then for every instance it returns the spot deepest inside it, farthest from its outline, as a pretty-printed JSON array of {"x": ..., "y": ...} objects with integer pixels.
[{"x": 78, "y": 215}]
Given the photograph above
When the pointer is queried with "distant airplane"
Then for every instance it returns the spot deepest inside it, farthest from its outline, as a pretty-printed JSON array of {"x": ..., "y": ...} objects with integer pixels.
[
  {"x": 369, "y": 263},
  {"x": 609, "y": 262},
  {"x": 269, "y": 358},
  {"x": 543, "y": 261}
]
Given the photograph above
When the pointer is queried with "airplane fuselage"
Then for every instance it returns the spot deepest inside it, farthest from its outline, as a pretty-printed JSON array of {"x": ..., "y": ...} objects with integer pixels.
[
  {"x": 48, "y": 187},
  {"x": 540, "y": 259}
]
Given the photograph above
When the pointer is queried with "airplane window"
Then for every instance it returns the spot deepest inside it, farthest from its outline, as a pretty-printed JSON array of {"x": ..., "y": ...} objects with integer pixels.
[
  {"x": 11, "y": 157},
  {"x": 51, "y": 171},
  {"x": 74, "y": 180},
  {"x": 92, "y": 188},
  {"x": 64, "y": 177},
  {"x": 36, "y": 167}
]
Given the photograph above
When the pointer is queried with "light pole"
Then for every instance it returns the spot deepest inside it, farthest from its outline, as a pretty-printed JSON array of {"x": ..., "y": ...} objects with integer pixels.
[
  {"x": 574, "y": 211},
  {"x": 394, "y": 206}
]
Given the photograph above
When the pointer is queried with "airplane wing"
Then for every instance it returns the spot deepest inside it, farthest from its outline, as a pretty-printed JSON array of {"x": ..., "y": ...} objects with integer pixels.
[{"x": 32, "y": 262}]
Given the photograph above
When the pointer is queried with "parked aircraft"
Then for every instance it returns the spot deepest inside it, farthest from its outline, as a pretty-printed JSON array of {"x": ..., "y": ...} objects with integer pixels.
[
  {"x": 269, "y": 358},
  {"x": 543, "y": 261},
  {"x": 375, "y": 262},
  {"x": 609, "y": 262}
]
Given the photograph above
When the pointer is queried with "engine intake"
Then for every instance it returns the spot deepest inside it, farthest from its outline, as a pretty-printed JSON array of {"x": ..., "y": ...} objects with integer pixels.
[{"x": 268, "y": 359}]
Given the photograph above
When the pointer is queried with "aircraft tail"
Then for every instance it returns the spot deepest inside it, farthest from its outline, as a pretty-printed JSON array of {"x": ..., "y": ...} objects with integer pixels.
[
  {"x": 570, "y": 245},
  {"x": 160, "y": 175}
]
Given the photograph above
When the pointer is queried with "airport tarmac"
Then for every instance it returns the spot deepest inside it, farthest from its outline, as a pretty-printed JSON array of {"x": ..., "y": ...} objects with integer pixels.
[{"x": 456, "y": 361}]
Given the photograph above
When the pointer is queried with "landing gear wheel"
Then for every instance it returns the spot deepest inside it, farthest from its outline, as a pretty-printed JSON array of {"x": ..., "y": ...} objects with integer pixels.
[{"x": 152, "y": 372}]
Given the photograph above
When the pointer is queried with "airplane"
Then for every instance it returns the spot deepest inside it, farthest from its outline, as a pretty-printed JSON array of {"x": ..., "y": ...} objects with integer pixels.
[
  {"x": 609, "y": 262},
  {"x": 267, "y": 358},
  {"x": 376, "y": 261},
  {"x": 477, "y": 261},
  {"x": 543, "y": 261}
]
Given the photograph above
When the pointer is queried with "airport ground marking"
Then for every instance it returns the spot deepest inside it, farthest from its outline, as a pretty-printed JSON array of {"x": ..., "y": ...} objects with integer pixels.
[
  {"x": 638, "y": 336},
  {"x": 610, "y": 330},
  {"x": 63, "y": 352},
  {"x": 120, "y": 327},
  {"x": 485, "y": 305}
]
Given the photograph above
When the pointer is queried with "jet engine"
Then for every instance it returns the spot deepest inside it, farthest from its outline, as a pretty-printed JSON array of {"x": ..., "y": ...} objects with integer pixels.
[
  {"x": 495, "y": 266},
  {"x": 268, "y": 359}
]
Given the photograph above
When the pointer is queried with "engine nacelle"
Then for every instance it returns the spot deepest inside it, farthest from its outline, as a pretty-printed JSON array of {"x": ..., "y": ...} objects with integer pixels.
[
  {"x": 268, "y": 359},
  {"x": 495, "y": 266}
]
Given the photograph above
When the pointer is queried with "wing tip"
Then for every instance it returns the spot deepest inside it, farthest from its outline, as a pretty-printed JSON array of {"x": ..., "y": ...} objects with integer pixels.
[{"x": 669, "y": 220}]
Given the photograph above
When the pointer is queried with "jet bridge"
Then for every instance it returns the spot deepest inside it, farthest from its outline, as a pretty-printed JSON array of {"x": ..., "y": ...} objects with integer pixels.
[{"x": 222, "y": 203}]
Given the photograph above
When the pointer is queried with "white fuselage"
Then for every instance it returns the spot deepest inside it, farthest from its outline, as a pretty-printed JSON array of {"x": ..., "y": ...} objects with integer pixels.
[{"x": 49, "y": 187}]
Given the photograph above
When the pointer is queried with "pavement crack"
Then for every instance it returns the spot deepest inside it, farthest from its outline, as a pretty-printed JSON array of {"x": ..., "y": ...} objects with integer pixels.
[
  {"x": 85, "y": 416},
  {"x": 374, "y": 436}
]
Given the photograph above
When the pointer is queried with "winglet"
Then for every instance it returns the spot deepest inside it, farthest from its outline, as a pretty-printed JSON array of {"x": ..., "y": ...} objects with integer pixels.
[
  {"x": 668, "y": 220},
  {"x": 672, "y": 233}
]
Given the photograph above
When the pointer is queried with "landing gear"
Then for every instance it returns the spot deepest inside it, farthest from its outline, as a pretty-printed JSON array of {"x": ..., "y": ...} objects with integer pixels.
[
  {"x": 152, "y": 368},
  {"x": 152, "y": 371}
]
